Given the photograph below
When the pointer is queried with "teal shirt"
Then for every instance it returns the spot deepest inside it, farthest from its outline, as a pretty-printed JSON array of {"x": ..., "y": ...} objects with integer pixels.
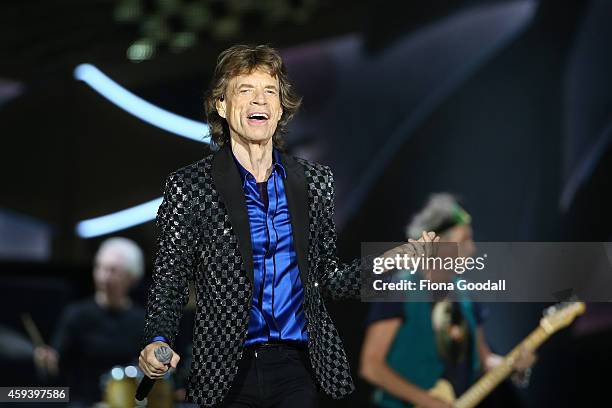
[{"x": 414, "y": 355}]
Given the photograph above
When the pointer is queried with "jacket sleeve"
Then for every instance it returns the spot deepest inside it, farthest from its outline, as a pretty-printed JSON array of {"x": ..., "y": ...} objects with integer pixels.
[
  {"x": 174, "y": 263},
  {"x": 338, "y": 280}
]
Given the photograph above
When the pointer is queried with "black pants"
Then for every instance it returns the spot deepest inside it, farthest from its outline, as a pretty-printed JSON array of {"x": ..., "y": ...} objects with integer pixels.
[{"x": 275, "y": 376}]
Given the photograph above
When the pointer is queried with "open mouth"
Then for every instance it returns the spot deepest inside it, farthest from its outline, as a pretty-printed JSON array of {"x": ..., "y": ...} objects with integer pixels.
[{"x": 258, "y": 117}]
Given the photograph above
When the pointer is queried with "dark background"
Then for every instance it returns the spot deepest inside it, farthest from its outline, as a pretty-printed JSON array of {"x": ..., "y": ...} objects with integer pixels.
[{"x": 507, "y": 104}]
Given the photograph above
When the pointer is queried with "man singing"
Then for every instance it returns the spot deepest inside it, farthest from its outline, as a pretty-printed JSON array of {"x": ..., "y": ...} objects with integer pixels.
[{"x": 253, "y": 228}]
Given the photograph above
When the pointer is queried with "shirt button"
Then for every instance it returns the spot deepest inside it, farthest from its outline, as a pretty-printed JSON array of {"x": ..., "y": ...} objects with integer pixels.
[{"x": 316, "y": 284}]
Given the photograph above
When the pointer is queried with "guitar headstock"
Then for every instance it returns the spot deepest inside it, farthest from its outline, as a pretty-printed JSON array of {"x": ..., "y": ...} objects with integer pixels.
[{"x": 561, "y": 315}]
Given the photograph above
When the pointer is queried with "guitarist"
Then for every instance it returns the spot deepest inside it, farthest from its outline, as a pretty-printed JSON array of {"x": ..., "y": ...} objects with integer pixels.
[{"x": 408, "y": 346}]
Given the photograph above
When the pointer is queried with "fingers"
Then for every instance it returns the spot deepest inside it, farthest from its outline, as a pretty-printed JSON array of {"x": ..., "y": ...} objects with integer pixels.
[
  {"x": 425, "y": 243},
  {"x": 417, "y": 246},
  {"x": 52, "y": 361},
  {"x": 525, "y": 360},
  {"x": 425, "y": 236},
  {"x": 410, "y": 248},
  {"x": 522, "y": 366},
  {"x": 149, "y": 364},
  {"x": 175, "y": 360},
  {"x": 149, "y": 370},
  {"x": 46, "y": 358},
  {"x": 154, "y": 363},
  {"x": 39, "y": 356}
]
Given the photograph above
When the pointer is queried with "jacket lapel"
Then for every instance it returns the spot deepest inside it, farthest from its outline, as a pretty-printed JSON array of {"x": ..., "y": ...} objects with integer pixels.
[
  {"x": 228, "y": 184},
  {"x": 297, "y": 200}
]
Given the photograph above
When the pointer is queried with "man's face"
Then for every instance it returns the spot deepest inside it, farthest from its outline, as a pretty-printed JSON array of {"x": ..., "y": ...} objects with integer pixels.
[
  {"x": 110, "y": 274},
  {"x": 251, "y": 106}
]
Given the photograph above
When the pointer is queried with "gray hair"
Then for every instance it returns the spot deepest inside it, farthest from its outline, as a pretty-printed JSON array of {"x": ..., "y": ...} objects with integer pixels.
[
  {"x": 134, "y": 258},
  {"x": 439, "y": 210}
]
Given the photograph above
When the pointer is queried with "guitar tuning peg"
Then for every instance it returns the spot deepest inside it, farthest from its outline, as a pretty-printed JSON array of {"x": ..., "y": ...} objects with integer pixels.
[{"x": 550, "y": 310}]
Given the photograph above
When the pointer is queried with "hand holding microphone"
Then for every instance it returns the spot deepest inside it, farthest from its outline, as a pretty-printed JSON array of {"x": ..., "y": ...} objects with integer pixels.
[
  {"x": 149, "y": 363},
  {"x": 154, "y": 361}
]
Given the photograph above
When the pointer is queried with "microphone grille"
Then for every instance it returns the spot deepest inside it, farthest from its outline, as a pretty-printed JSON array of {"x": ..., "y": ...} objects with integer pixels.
[{"x": 163, "y": 354}]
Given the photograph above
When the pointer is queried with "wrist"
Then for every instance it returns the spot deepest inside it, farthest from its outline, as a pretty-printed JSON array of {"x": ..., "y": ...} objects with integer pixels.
[{"x": 159, "y": 338}]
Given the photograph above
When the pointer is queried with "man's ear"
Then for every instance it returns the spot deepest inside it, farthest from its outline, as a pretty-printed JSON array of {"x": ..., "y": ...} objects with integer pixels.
[{"x": 220, "y": 105}]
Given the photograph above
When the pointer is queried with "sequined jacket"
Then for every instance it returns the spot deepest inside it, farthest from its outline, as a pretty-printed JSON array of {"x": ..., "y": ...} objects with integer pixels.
[{"x": 204, "y": 237}]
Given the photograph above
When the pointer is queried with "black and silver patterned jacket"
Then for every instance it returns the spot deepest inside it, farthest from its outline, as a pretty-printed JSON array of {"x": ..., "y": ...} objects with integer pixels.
[{"x": 204, "y": 236}]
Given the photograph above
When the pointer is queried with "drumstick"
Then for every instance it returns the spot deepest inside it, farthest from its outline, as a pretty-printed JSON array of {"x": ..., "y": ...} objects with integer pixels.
[
  {"x": 36, "y": 338},
  {"x": 32, "y": 330}
]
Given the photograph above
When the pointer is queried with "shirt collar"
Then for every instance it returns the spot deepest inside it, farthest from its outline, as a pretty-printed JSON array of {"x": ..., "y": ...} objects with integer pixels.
[{"x": 277, "y": 165}]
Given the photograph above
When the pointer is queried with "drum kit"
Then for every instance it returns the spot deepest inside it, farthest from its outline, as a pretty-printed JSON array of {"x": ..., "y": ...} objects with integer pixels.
[{"x": 118, "y": 385}]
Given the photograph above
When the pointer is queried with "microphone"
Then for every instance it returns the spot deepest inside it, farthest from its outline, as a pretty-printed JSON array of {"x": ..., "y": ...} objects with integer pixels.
[{"x": 163, "y": 354}]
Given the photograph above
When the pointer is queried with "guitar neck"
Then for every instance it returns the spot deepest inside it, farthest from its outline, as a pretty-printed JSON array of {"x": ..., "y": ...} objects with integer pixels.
[{"x": 492, "y": 378}]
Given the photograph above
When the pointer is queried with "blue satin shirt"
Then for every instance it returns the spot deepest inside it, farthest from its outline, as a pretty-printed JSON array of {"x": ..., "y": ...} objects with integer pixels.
[{"x": 277, "y": 306}]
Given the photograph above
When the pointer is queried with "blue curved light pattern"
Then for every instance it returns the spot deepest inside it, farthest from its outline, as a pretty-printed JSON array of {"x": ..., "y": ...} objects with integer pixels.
[
  {"x": 149, "y": 113},
  {"x": 119, "y": 220},
  {"x": 140, "y": 108}
]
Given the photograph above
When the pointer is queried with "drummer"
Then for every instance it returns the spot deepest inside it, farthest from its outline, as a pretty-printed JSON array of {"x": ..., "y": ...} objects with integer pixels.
[{"x": 102, "y": 331}]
